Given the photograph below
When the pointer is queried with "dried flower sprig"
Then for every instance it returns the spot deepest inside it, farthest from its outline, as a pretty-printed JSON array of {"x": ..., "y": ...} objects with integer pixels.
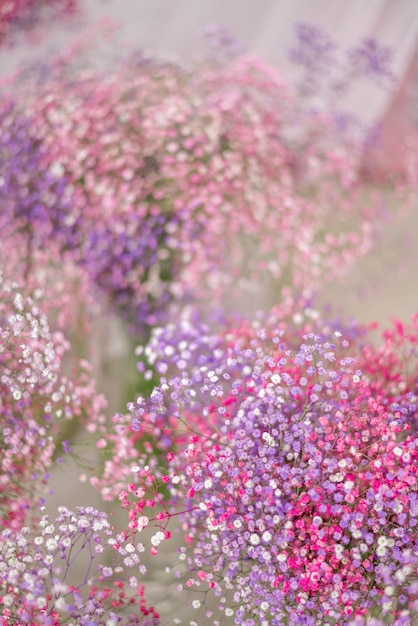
[{"x": 36, "y": 566}]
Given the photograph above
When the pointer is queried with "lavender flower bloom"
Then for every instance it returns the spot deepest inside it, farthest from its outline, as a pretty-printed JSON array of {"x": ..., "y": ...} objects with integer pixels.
[
  {"x": 371, "y": 60},
  {"x": 316, "y": 53}
]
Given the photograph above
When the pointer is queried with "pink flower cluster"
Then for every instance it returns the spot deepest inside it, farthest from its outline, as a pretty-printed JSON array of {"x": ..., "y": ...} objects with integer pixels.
[
  {"x": 28, "y": 15},
  {"x": 37, "y": 401},
  {"x": 196, "y": 181}
]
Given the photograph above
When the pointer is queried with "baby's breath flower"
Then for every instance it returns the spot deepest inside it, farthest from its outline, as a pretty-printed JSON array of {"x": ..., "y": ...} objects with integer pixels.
[{"x": 299, "y": 526}]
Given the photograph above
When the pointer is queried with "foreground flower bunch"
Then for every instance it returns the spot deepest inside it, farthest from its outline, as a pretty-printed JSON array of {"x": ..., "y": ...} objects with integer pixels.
[
  {"x": 295, "y": 480},
  {"x": 175, "y": 182}
]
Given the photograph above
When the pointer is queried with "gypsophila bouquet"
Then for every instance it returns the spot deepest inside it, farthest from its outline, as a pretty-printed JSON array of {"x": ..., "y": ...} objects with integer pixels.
[{"x": 293, "y": 477}]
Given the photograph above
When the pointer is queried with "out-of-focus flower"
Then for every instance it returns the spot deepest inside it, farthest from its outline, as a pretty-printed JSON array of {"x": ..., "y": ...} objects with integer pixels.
[
  {"x": 189, "y": 182},
  {"x": 31, "y": 16},
  {"x": 37, "y": 399}
]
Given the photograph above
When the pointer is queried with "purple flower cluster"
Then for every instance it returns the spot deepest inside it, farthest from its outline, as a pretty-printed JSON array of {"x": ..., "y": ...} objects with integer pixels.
[
  {"x": 130, "y": 261},
  {"x": 328, "y": 74},
  {"x": 32, "y": 196}
]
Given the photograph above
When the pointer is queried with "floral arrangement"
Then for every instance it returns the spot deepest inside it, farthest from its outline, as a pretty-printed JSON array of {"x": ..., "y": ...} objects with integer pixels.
[
  {"x": 277, "y": 453},
  {"x": 291, "y": 472}
]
